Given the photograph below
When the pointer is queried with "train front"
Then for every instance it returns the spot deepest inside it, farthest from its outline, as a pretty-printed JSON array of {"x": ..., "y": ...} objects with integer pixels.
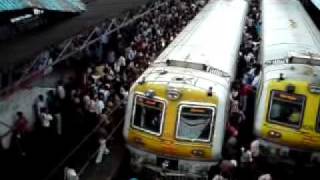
[
  {"x": 173, "y": 123},
  {"x": 287, "y": 117},
  {"x": 287, "y": 114}
]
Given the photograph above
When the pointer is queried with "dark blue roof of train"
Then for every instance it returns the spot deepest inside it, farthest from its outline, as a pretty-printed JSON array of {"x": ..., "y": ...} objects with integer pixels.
[{"x": 53, "y": 5}]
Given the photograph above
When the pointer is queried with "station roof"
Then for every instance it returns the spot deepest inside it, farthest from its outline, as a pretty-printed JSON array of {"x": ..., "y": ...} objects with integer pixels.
[
  {"x": 52, "y": 5},
  {"x": 316, "y": 3},
  {"x": 26, "y": 47}
]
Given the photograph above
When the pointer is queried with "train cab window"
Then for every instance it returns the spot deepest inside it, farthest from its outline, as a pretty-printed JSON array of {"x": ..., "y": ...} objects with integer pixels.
[
  {"x": 148, "y": 114},
  {"x": 286, "y": 109},
  {"x": 195, "y": 123}
]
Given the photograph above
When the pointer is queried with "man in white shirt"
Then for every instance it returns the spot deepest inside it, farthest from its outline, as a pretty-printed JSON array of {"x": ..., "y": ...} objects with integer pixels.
[
  {"x": 105, "y": 38},
  {"x": 103, "y": 150},
  {"x": 86, "y": 102},
  {"x": 46, "y": 118},
  {"x": 106, "y": 92},
  {"x": 265, "y": 177},
  {"x": 248, "y": 57},
  {"x": 70, "y": 174},
  {"x": 97, "y": 31},
  {"x": 130, "y": 53},
  {"x": 122, "y": 61},
  {"x": 61, "y": 92},
  {"x": 256, "y": 80},
  {"x": 254, "y": 148},
  {"x": 99, "y": 105}
]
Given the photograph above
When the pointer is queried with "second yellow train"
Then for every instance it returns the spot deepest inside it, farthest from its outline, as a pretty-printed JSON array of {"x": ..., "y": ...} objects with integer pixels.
[{"x": 287, "y": 120}]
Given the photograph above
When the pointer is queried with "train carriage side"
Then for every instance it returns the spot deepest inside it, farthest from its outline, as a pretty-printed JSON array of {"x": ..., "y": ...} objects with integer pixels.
[
  {"x": 176, "y": 112},
  {"x": 287, "y": 115}
]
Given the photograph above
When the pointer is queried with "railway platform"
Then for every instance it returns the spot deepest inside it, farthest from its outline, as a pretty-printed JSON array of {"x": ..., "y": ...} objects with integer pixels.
[{"x": 108, "y": 168}]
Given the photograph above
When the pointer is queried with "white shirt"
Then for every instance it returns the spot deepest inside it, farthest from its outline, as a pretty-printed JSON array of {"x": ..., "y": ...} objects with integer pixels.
[
  {"x": 105, "y": 93},
  {"x": 71, "y": 174},
  {"x": 99, "y": 106},
  {"x": 255, "y": 82},
  {"x": 46, "y": 118},
  {"x": 97, "y": 29},
  {"x": 117, "y": 66},
  {"x": 61, "y": 92},
  {"x": 122, "y": 61},
  {"x": 254, "y": 148},
  {"x": 131, "y": 54},
  {"x": 218, "y": 177},
  {"x": 86, "y": 102},
  {"x": 105, "y": 38},
  {"x": 248, "y": 57},
  {"x": 265, "y": 177},
  {"x": 124, "y": 92}
]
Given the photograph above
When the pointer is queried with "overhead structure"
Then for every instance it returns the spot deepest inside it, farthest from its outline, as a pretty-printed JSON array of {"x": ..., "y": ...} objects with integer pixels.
[
  {"x": 73, "y": 6},
  {"x": 316, "y": 3}
]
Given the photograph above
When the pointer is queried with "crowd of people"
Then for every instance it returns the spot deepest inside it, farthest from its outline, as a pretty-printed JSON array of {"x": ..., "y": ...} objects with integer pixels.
[
  {"x": 103, "y": 74},
  {"x": 241, "y": 154}
]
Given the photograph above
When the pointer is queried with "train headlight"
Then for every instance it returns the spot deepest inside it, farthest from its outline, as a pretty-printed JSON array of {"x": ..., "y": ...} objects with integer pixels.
[
  {"x": 197, "y": 152},
  {"x": 274, "y": 134},
  {"x": 150, "y": 93},
  {"x": 173, "y": 94}
]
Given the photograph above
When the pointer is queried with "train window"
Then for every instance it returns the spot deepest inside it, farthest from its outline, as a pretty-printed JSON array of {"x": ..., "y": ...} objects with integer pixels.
[
  {"x": 286, "y": 109},
  {"x": 195, "y": 123},
  {"x": 148, "y": 114}
]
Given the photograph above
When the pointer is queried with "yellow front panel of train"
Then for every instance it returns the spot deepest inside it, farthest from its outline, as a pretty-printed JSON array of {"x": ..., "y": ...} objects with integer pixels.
[
  {"x": 291, "y": 115},
  {"x": 165, "y": 142}
]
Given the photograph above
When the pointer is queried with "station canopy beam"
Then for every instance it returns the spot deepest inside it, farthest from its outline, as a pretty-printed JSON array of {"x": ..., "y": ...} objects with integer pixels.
[{"x": 73, "y": 6}]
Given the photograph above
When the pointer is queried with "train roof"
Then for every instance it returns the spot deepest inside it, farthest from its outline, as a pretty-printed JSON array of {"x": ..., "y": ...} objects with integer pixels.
[
  {"x": 287, "y": 30},
  {"x": 211, "y": 39},
  {"x": 181, "y": 77}
]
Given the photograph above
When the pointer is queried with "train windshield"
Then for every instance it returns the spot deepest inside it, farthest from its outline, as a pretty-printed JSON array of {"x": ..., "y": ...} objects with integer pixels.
[
  {"x": 286, "y": 109},
  {"x": 148, "y": 114},
  {"x": 195, "y": 123}
]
